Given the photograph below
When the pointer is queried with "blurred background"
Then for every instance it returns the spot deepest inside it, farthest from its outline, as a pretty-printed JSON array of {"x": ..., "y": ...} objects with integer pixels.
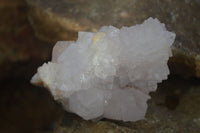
[{"x": 30, "y": 28}]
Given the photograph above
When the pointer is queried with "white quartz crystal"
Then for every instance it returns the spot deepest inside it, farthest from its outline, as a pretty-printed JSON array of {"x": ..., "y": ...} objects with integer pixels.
[{"x": 109, "y": 73}]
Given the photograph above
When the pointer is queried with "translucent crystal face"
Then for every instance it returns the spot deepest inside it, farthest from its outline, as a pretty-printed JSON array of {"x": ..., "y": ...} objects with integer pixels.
[{"x": 109, "y": 73}]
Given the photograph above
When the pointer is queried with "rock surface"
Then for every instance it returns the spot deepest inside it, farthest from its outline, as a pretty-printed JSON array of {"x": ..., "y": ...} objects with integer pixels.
[
  {"x": 53, "y": 21},
  {"x": 25, "y": 108},
  {"x": 18, "y": 42}
]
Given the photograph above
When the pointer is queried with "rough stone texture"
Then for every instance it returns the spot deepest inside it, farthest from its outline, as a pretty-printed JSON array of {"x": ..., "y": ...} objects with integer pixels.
[
  {"x": 24, "y": 108},
  {"x": 17, "y": 40},
  {"x": 53, "y": 21}
]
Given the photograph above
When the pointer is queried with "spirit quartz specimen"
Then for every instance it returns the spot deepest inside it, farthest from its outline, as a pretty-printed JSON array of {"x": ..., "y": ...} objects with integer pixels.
[{"x": 109, "y": 73}]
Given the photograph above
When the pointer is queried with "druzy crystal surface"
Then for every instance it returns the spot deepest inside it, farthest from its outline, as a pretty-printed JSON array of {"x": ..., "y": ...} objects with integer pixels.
[{"x": 109, "y": 73}]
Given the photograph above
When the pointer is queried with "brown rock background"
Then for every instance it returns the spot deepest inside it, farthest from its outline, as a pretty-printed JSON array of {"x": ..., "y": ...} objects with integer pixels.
[
  {"x": 24, "y": 108},
  {"x": 30, "y": 28}
]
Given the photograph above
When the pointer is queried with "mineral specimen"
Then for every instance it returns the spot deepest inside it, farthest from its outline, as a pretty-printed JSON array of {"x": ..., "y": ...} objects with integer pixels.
[{"x": 109, "y": 73}]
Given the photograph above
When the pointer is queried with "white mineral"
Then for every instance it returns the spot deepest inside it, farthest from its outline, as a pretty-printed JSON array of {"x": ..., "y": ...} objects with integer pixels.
[{"x": 109, "y": 73}]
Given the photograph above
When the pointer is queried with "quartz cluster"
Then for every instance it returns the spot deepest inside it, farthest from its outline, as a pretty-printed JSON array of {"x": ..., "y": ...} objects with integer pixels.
[{"x": 109, "y": 73}]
